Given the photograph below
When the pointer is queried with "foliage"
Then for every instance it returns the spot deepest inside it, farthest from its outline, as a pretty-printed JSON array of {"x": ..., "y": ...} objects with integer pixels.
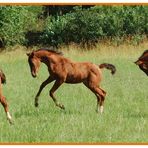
[
  {"x": 53, "y": 32},
  {"x": 86, "y": 27},
  {"x": 82, "y": 27},
  {"x": 15, "y": 21}
]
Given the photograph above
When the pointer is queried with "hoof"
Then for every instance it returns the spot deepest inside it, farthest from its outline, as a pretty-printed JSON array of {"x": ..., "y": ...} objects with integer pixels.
[
  {"x": 9, "y": 118},
  {"x": 62, "y": 107},
  {"x": 36, "y": 104}
]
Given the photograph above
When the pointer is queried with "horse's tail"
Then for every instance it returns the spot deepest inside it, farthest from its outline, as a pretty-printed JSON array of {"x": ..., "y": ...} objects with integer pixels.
[
  {"x": 2, "y": 77},
  {"x": 108, "y": 66}
]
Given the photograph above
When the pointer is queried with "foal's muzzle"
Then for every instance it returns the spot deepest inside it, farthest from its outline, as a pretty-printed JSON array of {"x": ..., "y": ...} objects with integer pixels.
[{"x": 138, "y": 62}]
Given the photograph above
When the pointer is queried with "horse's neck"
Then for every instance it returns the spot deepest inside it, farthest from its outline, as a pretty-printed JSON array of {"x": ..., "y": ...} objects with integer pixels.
[{"x": 45, "y": 57}]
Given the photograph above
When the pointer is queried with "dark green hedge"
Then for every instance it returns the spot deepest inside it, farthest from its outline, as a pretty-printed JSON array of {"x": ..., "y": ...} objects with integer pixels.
[
  {"x": 15, "y": 21},
  {"x": 19, "y": 24},
  {"x": 86, "y": 27}
]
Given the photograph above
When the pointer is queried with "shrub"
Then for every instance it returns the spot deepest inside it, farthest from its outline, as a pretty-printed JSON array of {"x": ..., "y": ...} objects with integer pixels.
[
  {"x": 53, "y": 32},
  {"x": 15, "y": 21},
  {"x": 82, "y": 27},
  {"x": 87, "y": 27}
]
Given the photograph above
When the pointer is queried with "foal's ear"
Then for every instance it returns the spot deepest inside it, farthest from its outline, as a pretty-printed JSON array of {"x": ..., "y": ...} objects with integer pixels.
[{"x": 30, "y": 54}]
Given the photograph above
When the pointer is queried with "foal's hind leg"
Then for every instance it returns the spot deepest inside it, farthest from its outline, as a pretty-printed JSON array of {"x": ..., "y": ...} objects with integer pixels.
[
  {"x": 50, "y": 79},
  {"x": 56, "y": 85},
  {"x": 5, "y": 105},
  {"x": 100, "y": 94}
]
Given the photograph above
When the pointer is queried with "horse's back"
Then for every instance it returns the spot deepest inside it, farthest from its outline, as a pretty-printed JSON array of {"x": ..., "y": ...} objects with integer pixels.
[{"x": 80, "y": 72}]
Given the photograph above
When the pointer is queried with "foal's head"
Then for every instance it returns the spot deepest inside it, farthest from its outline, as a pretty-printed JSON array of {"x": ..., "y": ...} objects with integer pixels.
[{"x": 34, "y": 63}]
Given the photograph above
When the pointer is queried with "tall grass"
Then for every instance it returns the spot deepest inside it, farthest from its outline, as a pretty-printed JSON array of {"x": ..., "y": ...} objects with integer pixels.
[{"x": 125, "y": 114}]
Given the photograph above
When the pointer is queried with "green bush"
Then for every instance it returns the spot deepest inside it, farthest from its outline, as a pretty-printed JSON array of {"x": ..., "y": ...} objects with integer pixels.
[
  {"x": 82, "y": 27},
  {"x": 53, "y": 32},
  {"x": 87, "y": 27},
  {"x": 135, "y": 20},
  {"x": 15, "y": 21}
]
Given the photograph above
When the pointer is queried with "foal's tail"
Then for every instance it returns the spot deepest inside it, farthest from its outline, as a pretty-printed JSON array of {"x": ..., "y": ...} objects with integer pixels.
[
  {"x": 108, "y": 66},
  {"x": 2, "y": 77}
]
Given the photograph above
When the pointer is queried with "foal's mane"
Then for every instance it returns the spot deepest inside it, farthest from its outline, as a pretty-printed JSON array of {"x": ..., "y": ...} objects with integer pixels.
[
  {"x": 50, "y": 50},
  {"x": 141, "y": 57},
  {"x": 145, "y": 52}
]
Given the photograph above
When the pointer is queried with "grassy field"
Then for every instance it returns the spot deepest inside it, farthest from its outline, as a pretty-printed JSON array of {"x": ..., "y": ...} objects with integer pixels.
[{"x": 125, "y": 117}]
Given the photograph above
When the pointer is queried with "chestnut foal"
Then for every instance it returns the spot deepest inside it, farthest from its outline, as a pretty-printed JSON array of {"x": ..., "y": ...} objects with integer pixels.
[
  {"x": 2, "y": 98},
  {"x": 63, "y": 70}
]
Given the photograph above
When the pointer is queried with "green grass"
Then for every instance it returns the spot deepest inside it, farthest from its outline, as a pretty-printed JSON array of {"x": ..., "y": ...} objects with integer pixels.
[{"x": 125, "y": 114}]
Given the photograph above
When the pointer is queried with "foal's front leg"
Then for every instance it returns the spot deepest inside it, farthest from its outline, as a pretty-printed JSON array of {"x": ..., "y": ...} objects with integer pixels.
[
  {"x": 56, "y": 85},
  {"x": 47, "y": 81}
]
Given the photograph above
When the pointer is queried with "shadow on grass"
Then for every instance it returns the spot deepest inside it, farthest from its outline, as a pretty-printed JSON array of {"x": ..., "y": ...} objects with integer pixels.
[
  {"x": 38, "y": 112},
  {"x": 137, "y": 115},
  {"x": 66, "y": 111}
]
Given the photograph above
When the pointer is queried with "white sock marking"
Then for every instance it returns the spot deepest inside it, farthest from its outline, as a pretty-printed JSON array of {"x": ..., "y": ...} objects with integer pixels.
[
  {"x": 9, "y": 116},
  {"x": 101, "y": 109}
]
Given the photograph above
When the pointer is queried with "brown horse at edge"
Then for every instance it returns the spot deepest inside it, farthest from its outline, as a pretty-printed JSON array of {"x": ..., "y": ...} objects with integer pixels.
[
  {"x": 2, "y": 98},
  {"x": 63, "y": 70}
]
